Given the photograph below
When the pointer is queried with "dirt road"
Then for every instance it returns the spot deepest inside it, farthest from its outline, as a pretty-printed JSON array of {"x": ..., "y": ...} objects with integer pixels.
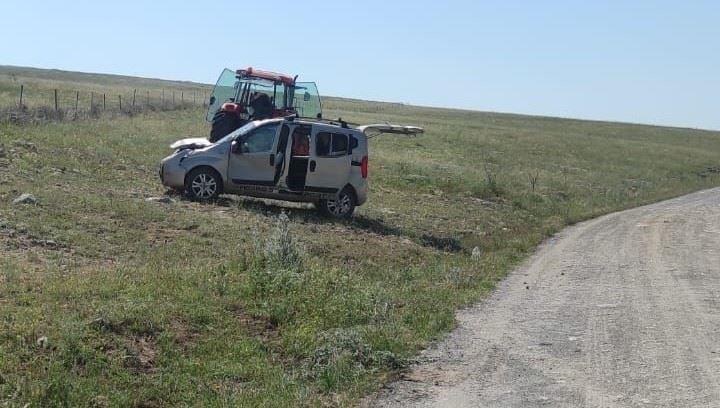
[{"x": 620, "y": 311}]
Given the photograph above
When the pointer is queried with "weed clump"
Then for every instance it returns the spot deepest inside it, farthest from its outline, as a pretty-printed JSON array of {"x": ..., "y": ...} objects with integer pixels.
[
  {"x": 343, "y": 356},
  {"x": 274, "y": 270},
  {"x": 281, "y": 249}
]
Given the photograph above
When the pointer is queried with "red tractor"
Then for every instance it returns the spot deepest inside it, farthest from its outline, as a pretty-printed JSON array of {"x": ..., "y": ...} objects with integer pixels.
[{"x": 251, "y": 94}]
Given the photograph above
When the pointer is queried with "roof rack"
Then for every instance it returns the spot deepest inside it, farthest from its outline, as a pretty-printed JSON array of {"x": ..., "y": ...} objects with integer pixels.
[
  {"x": 337, "y": 122},
  {"x": 369, "y": 130}
]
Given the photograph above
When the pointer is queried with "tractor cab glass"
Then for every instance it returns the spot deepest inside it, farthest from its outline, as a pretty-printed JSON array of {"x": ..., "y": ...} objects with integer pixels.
[
  {"x": 231, "y": 89},
  {"x": 224, "y": 91},
  {"x": 306, "y": 100},
  {"x": 277, "y": 95},
  {"x": 276, "y": 92}
]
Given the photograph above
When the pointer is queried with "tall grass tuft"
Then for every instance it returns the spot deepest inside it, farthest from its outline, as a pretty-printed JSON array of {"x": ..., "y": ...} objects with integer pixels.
[{"x": 281, "y": 249}]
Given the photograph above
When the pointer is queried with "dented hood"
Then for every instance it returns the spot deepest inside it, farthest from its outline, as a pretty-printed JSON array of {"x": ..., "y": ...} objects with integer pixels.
[{"x": 191, "y": 143}]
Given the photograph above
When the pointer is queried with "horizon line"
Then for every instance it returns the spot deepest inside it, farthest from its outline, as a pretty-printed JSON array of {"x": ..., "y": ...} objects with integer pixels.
[{"x": 458, "y": 108}]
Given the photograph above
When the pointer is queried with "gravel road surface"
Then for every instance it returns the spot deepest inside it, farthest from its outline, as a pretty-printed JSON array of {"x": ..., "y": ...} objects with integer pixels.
[{"x": 619, "y": 311}]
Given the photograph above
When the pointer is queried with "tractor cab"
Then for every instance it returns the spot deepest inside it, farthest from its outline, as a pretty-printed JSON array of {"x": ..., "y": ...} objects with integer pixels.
[{"x": 250, "y": 94}]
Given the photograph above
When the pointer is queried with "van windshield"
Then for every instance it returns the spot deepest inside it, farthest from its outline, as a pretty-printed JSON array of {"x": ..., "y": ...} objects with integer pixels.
[{"x": 241, "y": 131}]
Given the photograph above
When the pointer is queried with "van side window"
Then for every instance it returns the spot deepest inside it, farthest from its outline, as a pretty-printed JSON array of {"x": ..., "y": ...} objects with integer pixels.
[
  {"x": 301, "y": 141},
  {"x": 353, "y": 143},
  {"x": 339, "y": 144},
  {"x": 322, "y": 144},
  {"x": 331, "y": 144},
  {"x": 260, "y": 140}
]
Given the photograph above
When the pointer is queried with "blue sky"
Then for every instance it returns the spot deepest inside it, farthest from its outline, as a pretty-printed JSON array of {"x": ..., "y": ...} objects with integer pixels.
[{"x": 637, "y": 61}]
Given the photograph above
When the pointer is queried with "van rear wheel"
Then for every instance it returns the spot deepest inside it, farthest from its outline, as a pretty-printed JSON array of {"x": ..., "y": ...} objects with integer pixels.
[{"x": 342, "y": 207}]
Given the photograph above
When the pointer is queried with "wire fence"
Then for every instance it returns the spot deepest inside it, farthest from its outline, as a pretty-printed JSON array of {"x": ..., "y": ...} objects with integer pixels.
[{"x": 32, "y": 105}]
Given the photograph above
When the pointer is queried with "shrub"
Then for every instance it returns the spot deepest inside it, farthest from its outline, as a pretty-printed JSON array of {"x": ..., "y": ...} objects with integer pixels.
[
  {"x": 281, "y": 250},
  {"x": 343, "y": 355}
]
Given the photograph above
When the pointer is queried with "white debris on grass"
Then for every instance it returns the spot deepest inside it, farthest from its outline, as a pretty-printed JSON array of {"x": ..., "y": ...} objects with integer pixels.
[{"x": 26, "y": 198}]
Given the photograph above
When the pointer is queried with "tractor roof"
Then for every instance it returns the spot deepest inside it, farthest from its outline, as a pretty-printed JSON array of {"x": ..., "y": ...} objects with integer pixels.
[{"x": 249, "y": 72}]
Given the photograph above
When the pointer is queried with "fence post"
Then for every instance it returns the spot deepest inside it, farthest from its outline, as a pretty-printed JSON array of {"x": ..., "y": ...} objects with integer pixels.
[
  {"x": 173, "y": 99},
  {"x": 194, "y": 99},
  {"x": 22, "y": 88},
  {"x": 56, "y": 104},
  {"x": 162, "y": 97},
  {"x": 103, "y": 101},
  {"x": 120, "y": 102},
  {"x": 77, "y": 99},
  {"x": 147, "y": 100},
  {"x": 133, "y": 102},
  {"x": 182, "y": 97}
]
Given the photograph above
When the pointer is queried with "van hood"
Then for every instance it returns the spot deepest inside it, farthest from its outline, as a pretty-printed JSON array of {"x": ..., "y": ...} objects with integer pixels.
[{"x": 191, "y": 143}]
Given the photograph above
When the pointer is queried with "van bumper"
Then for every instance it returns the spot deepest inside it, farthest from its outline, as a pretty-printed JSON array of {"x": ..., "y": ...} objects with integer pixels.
[
  {"x": 172, "y": 174},
  {"x": 361, "y": 192}
]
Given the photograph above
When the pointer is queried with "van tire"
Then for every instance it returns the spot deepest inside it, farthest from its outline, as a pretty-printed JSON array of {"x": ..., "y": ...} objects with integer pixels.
[
  {"x": 223, "y": 123},
  {"x": 203, "y": 184},
  {"x": 340, "y": 208}
]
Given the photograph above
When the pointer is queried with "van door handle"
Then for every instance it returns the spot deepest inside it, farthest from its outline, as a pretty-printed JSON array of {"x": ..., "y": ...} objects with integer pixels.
[
  {"x": 312, "y": 165},
  {"x": 272, "y": 159}
]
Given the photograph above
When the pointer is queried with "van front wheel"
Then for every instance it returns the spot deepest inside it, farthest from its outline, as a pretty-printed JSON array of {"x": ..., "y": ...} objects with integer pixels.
[
  {"x": 203, "y": 184},
  {"x": 342, "y": 207}
]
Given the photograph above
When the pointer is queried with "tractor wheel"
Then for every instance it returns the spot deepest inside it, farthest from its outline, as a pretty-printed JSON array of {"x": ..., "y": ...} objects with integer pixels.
[{"x": 222, "y": 124}]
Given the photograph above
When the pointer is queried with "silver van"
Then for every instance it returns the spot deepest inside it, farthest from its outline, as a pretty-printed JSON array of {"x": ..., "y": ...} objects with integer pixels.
[{"x": 289, "y": 159}]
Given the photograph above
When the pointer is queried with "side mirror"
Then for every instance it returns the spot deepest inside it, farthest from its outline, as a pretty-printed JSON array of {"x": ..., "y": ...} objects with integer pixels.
[
  {"x": 235, "y": 147},
  {"x": 306, "y": 96},
  {"x": 212, "y": 100}
]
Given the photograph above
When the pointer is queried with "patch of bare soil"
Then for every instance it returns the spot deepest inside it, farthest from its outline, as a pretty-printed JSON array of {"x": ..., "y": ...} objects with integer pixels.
[
  {"x": 140, "y": 353},
  {"x": 135, "y": 344},
  {"x": 256, "y": 326},
  {"x": 17, "y": 242}
]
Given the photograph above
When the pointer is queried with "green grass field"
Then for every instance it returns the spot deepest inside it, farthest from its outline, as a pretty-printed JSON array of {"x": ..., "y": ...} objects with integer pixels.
[{"x": 107, "y": 299}]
